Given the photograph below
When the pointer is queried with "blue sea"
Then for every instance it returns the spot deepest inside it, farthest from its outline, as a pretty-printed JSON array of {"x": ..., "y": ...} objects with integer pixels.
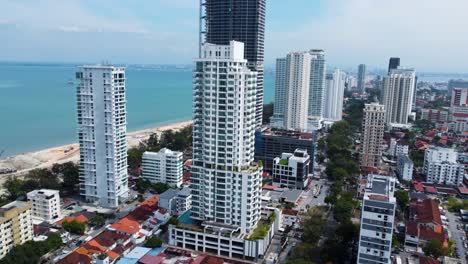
[{"x": 37, "y": 103}]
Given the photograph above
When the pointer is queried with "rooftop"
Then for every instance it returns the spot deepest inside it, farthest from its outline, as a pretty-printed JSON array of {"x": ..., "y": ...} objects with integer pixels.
[
  {"x": 168, "y": 194},
  {"x": 380, "y": 188}
]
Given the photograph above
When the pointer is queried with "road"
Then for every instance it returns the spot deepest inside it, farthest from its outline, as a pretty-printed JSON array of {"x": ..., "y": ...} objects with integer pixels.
[
  {"x": 308, "y": 196},
  {"x": 456, "y": 235}
]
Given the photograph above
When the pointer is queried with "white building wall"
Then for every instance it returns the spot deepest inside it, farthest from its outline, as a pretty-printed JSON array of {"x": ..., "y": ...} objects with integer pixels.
[
  {"x": 297, "y": 82},
  {"x": 441, "y": 166},
  {"x": 45, "y": 204},
  {"x": 398, "y": 90},
  {"x": 377, "y": 220},
  {"x": 102, "y": 134},
  {"x": 333, "y": 102},
  {"x": 317, "y": 90},
  {"x": 226, "y": 184},
  {"x": 164, "y": 166}
]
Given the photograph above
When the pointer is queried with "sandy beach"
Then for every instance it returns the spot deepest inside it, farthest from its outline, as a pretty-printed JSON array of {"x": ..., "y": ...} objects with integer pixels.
[{"x": 46, "y": 158}]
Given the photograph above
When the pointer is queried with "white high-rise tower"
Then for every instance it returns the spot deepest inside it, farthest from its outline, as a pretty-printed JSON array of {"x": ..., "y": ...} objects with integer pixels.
[
  {"x": 398, "y": 94},
  {"x": 292, "y": 91},
  {"x": 334, "y": 92},
  {"x": 317, "y": 89},
  {"x": 226, "y": 183},
  {"x": 102, "y": 134}
]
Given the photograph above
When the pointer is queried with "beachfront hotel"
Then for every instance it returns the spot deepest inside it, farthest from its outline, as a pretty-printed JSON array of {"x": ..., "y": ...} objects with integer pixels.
[
  {"x": 226, "y": 182},
  {"x": 102, "y": 134}
]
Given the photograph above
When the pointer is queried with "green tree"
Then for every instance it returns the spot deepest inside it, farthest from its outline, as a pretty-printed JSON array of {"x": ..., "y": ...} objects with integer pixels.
[
  {"x": 142, "y": 185},
  {"x": 70, "y": 173},
  {"x": 267, "y": 112},
  {"x": 433, "y": 248},
  {"x": 160, "y": 187},
  {"x": 14, "y": 187},
  {"x": 402, "y": 198},
  {"x": 153, "y": 242},
  {"x": 134, "y": 157},
  {"x": 97, "y": 220},
  {"x": 74, "y": 227},
  {"x": 54, "y": 241},
  {"x": 343, "y": 210}
]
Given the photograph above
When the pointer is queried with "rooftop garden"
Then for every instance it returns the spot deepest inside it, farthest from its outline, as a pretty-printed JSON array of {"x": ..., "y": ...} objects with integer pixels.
[
  {"x": 262, "y": 228},
  {"x": 283, "y": 162}
]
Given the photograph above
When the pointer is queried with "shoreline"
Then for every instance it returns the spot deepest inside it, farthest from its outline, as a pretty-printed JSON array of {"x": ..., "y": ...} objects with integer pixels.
[{"x": 45, "y": 158}]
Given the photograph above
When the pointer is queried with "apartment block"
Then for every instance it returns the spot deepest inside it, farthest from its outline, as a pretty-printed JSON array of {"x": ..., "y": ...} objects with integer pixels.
[
  {"x": 102, "y": 134},
  {"x": 377, "y": 219},
  {"x": 45, "y": 205},
  {"x": 373, "y": 126},
  {"x": 165, "y": 166},
  {"x": 16, "y": 225},
  {"x": 441, "y": 166},
  {"x": 398, "y": 92}
]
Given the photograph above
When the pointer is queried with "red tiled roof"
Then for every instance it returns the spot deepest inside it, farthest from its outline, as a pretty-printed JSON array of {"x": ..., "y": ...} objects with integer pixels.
[
  {"x": 290, "y": 212},
  {"x": 430, "y": 189},
  {"x": 419, "y": 187},
  {"x": 269, "y": 187},
  {"x": 151, "y": 202},
  {"x": 427, "y": 211},
  {"x": 427, "y": 260},
  {"x": 108, "y": 238},
  {"x": 149, "y": 259},
  {"x": 425, "y": 232},
  {"x": 79, "y": 256},
  {"x": 126, "y": 225},
  {"x": 79, "y": 218},
  {"x": 463, "y": 190}
]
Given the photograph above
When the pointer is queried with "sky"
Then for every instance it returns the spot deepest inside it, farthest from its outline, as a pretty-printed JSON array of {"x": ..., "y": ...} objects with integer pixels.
[{"x": 429, "y": 35}]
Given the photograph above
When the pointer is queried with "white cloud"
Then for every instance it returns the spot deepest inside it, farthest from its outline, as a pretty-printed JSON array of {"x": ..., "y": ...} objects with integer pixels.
[
  {"x": 68, "y": 16},
  {"x": 426, "y": 34}
]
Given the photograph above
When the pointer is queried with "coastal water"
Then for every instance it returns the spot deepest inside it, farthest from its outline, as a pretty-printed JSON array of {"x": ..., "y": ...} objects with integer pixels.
[{"x": 37, "y": 103}]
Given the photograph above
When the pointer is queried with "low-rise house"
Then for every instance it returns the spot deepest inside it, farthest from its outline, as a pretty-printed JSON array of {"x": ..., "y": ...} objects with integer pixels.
[
  {"x": 176, "y": 202},
  {"x": 424, "y": 223},
  {"x": 405, "y": 168},
  {"x": 289, "y": 218}
]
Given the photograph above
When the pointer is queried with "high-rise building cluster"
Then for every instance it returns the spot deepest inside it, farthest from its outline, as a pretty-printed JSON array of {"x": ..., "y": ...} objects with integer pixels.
[{"x": 300, "y": 91}]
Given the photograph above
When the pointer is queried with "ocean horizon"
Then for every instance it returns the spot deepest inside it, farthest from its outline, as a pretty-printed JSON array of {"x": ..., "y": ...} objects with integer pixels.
[{"x": 37, "y": 102}]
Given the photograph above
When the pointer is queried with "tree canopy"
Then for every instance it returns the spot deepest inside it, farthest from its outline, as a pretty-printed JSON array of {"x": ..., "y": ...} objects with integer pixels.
[{"x": 32, "y": 251}]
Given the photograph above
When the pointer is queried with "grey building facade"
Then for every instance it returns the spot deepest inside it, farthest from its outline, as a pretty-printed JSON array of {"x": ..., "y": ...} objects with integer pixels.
[{"x": 270, "y": 144}]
